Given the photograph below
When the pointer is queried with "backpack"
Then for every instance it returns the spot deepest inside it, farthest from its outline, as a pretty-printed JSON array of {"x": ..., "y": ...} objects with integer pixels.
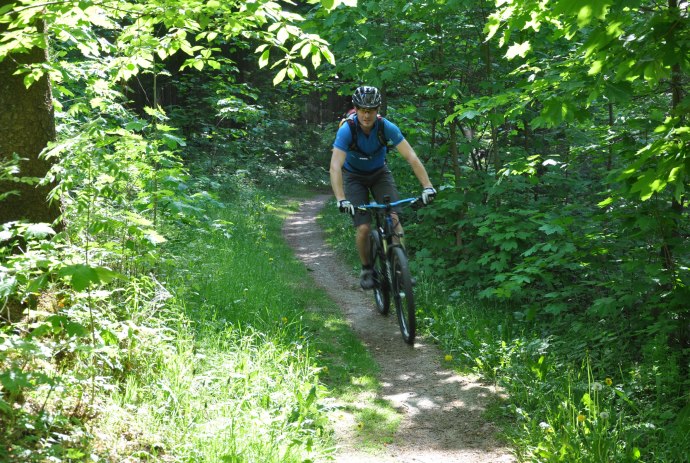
[{"x": 349, "y": 118}]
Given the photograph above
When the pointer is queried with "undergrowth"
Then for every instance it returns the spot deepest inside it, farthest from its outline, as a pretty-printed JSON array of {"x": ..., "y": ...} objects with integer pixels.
[
  {"x": 576, "y": 389},
  {"x": 223, "y": 351}
]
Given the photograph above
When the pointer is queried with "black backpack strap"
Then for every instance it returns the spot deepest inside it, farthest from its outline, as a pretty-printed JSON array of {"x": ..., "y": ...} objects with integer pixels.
[
  {"x": 380, "y": 133},
  {"x": 353, "y": 131}
]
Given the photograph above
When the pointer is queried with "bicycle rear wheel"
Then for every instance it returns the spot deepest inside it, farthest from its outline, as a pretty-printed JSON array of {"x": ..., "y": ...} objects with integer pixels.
[
  {"x": 381, "y": 287},
  {"x": 402, "y": 294}
]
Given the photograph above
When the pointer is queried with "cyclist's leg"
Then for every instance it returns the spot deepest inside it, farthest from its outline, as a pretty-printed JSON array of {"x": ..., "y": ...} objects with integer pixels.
[
  {"x": 398, "y": 238},
  {"x": 362, "y": 240},
  {"x": 357, "y": 192},
  {"x": 385, "y": 185}
]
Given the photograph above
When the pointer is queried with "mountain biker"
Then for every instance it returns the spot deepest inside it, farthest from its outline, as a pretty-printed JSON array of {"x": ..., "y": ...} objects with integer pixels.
[{"x": 358, "y": 168}]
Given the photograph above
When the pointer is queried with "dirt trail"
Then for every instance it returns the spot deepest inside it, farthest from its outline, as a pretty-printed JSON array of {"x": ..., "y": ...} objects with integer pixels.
[{"x": 441, "y": 410}]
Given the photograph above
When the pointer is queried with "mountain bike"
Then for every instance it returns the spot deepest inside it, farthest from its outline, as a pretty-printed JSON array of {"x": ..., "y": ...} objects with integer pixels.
[{"x": 391, "y": 269}]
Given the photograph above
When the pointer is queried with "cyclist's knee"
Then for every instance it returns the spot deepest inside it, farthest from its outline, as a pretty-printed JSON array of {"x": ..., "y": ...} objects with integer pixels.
[{"x": 364, "y": 228}]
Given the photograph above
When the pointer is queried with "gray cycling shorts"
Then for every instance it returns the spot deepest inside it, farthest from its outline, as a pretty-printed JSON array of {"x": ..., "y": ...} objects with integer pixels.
[{"x": 360, "y": 188}]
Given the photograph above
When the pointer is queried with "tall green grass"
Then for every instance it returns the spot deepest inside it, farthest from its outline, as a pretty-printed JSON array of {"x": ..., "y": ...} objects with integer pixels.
[{"x": 257, "y": 361}]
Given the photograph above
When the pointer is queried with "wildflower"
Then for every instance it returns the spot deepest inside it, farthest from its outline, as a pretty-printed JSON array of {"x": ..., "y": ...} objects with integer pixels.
[
  {"x": 608, "y": 381},
  {"x": 604, "y": 415},
  {"x": 545, "y": 426},
  {"x": 597, "y": 387},
  {"x": 448, "y": 357},
  {"x": 581, "y": 418}
]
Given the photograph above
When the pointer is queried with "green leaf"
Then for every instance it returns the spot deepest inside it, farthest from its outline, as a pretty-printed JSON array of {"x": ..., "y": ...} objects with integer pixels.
[
  {"x": 154, "y": 237},
  {"x": 316, "y": 59},
  {"x": 555, "y": 308},
  {"x": 61, "y": 322},
  {"x": 38, "y": 231},
  {"x": 172, "y": 141},
  {"x": 648, "y": 184},
  {"x": 105, "y": 275},
  {"x": 280, "y": 76},
  {"x": 75, "y": 454},
  {"x": 301, "y": 70},
  {"x": 82, "y": 276},
  {"x": 263, "y": 59},
  {"x": 605, "y": 202},
  {"x": 306, "y": 49},
  {"x": 492, "y": 26},
  {"x": 518, "y": 49},
  {"x": 109, "y": 337},
  {"x": 135, "y": 126},
  {"x": 7, "y": 286},
  {"x": 328, "y": 55},
  {"x": 37, "y": 284},
  {"x": 550, "y": 229},
  {"x": 282, "y": 35}
]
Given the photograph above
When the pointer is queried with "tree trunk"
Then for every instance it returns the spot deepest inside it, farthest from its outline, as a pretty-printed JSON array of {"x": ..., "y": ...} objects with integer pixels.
[
  {"x": 454, "y": 156},
  {"x": 26, "y": 126},
  {"x": 676, "y": 87}
]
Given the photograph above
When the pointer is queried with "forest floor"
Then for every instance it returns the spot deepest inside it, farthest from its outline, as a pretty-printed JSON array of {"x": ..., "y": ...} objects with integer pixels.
[{"x": 441, "y": 411}]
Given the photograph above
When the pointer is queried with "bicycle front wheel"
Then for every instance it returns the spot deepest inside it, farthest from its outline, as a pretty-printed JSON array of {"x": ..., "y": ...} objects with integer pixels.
[
  {"x": 381, "y": 286},
  {"x": 402, "y": 294}
]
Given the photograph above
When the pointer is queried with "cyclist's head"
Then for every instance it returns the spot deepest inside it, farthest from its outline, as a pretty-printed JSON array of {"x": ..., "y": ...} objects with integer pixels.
[{"x": 366, "y": 98}]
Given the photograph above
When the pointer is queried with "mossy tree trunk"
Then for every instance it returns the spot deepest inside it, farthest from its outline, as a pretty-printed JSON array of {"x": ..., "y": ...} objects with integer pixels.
[{"x": 26, "y": 126}]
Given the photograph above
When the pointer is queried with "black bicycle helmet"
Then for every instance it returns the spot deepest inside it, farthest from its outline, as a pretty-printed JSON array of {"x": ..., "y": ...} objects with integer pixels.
[{"x": 366, "y": 97}]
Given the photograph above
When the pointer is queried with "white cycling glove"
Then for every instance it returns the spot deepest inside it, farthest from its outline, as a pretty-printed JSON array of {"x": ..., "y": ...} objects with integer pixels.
[
  {"x": 428, "y": 195},
  {"x": 346, "y": 206}
]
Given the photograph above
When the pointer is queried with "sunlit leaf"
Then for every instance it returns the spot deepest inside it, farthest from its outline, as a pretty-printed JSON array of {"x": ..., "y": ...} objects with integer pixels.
[
  {"x": 328, "y": 55},
  {"x": 82, "y": 276},
  {"x": 282, "y": 35},
  {"x": 8, "y": 285},
  {"x": 280, "y": 76},
  {"x": 518, "y": 49},
  {"x": 39, "y": 230},
  {"x": 263, "y": 59}
]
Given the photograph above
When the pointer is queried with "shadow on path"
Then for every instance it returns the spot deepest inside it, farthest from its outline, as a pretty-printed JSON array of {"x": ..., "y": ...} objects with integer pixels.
[{"x": 442, "y": 411}]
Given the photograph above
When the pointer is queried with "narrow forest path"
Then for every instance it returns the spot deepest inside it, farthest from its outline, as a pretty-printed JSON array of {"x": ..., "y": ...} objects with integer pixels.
[{"x": 441, "y": 410}]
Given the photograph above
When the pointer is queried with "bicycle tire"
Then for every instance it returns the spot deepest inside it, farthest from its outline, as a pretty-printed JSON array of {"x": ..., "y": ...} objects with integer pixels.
[
  {"x": 382, "y": 295},
  {"x": 403, "y": 296}
]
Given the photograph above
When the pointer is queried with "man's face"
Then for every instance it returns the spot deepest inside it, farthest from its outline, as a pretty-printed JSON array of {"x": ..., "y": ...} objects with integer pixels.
[{"x": 367, "y": 117}]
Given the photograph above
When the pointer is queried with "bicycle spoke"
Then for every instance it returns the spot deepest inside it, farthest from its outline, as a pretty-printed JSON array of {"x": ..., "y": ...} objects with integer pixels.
[
  {"x": 402, "y": 294},
  {"x": 381, "y": 288}
]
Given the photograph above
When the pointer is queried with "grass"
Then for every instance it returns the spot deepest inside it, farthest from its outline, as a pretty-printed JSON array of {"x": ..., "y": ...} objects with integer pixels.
[{"x": 257, "y": 363}]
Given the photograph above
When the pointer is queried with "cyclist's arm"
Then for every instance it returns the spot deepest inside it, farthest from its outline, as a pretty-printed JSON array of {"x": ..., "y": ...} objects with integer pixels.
[
  {"x": 406, "y": 151},
  {"x": 337, "y": 162}
]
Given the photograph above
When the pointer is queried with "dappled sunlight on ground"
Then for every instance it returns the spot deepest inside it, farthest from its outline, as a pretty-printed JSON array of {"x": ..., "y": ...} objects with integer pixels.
[{"x": 440, "y": 411}]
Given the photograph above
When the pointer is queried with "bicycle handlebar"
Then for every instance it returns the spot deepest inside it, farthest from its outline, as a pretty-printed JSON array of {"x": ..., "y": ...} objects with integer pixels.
[{"x": 375, "y": 205}]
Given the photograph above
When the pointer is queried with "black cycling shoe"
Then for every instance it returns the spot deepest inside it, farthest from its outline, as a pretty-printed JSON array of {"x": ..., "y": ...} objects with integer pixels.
[{"x": 366, "y": 278}]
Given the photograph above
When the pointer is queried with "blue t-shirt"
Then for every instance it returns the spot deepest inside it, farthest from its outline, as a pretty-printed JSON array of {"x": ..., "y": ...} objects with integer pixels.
[{"x": 373, "y": 155}]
